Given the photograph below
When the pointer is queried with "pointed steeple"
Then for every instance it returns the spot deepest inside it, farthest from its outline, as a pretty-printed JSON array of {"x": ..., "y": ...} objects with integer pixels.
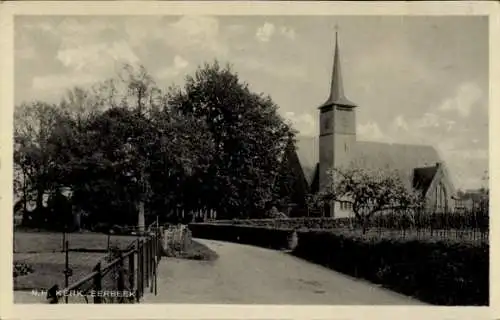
[{"x": 337, "y": 96}]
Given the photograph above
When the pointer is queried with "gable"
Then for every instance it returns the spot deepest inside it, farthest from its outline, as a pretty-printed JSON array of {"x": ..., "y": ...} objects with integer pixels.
[{"x": 307, "y": 149}]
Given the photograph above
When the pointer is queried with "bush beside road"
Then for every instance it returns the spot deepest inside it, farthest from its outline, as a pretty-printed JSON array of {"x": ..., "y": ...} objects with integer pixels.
[{"x": 438, "y": 272}]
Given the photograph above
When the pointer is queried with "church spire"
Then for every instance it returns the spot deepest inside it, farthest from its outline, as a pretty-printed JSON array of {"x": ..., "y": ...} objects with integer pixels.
[{"x": 337, "y": 96}]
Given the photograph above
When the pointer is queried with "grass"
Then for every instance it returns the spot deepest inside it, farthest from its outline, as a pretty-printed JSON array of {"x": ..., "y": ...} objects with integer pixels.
[
  {"x": 37, "y": 242},
  {"x": 49, "y": 267},
  {"x": 43, "y": 251}
]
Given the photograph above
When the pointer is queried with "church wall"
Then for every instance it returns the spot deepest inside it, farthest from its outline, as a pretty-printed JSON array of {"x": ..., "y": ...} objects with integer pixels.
[
  {"x": 342, "y": 150},
  {"x": 439, "y": 196},
  {"x": 326, "y": 145},
  {"x": 342, "y": 210},
  {"x": 345, "y": 135}
]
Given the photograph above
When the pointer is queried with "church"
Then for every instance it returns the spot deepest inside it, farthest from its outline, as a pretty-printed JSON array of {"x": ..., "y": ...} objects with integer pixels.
[{"x": 309, "y": 159}]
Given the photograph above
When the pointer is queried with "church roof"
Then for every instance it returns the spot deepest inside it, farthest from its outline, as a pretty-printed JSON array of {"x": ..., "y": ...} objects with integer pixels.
[
  {"x": 337, "y": 96},
  {"x": 422, "y": 178},
  {"x": 403, "y": 158}
]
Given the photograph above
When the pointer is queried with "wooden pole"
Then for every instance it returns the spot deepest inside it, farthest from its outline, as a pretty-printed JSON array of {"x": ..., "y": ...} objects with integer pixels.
[
  {"x": 121, "y": 278},
  {"x": 63, "y": 240},
  {"x": 98, "y": 283},
  {"x": 66, "y": 269},
  {"x": 131, "y": 273},
  {"x": 109, "y": 240},
  {"x": 140, "y": 272}
]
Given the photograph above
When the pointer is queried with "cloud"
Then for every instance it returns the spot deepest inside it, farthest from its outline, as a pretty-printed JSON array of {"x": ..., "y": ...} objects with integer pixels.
[
  {"x": 400, "y": 123},
  {"x": 466, "y": 97},
  {"x": 70, "y": 32},
  {"x": 466, "y": 165},
  {"x": 265, "y": 32},
  {"x": 268, "y": 30},
  {"x": 62, "y": 82},
  {"x": 479, "y": 154},
  {"x": 279, "y": 70},
  {"x": 428, "y": 120},
  {"x": 303, "y": 122},
  {"x": 288, "y": 32},
  {"x": 197, "y": 30},
  {"x": 371, "y": 131},
  {"x": 95, "y": 57},
  {"x": 236, "y": 29},
  {"x": 25, "y": 53},
  {"x": 186, "y": 33},
  {"x": 179, "y": 64}
]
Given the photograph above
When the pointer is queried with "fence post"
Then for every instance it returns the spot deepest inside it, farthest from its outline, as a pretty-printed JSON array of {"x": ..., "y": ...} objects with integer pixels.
[
  {"x": 131, "y": 273},
  {"x": 153, "y": 265},
  {"x": 146, "y": 260},
  {"x": 143, "y": 276},
  {"x": 160, "y": 243},
  {"x": 109, "y": 240},
  {"x": 150, "y": 267},
  {"x": 66, "y": 268},
  {"x": 98, "y": 283},
  {"x": 138, "y": 267},
  {"x": 156, "y": 269},
  {"x": 63, "y": 240},
  {"x": 139, "y": 272},
  {"x": 121, "y": 278}
]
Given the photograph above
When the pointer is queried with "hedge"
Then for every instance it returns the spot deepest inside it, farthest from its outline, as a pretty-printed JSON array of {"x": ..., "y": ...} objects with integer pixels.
[
  {"x": 257, "y": 236},
  {"x": 457, "y": 220},
  {"x": 439, "y": 272}
]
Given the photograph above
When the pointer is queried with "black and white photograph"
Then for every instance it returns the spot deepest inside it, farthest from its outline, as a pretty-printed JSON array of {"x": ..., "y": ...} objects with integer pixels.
[{"x": 304, "y": 160}]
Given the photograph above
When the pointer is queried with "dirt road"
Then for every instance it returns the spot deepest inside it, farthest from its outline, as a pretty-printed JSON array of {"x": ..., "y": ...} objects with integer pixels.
[{"x": 251, "y": 275}]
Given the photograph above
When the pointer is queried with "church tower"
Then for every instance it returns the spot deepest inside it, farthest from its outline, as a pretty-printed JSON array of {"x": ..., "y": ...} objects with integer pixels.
[{"x": 337, "y": 134}]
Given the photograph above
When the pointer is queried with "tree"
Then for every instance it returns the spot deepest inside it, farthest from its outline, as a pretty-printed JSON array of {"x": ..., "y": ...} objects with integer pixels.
[
  {"x": 248, "y": 136},
  {"x": 33, "y": 151},
  {"x": 127, "y": 152},
  {"x": 485, "y": 192},
  {"x": 124, "y": 146},
  {"x": 369, "y": 192}
]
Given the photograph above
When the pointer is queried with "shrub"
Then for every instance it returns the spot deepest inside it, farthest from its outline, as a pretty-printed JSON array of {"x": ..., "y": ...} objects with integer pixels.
[
  {"x": 101, "y": 227},
  {"x": 461, "y": 221},
  {"x": 259, "y": 236},
  {"x": 21, "y": 269},
  {"x": 438, "y": 272}
]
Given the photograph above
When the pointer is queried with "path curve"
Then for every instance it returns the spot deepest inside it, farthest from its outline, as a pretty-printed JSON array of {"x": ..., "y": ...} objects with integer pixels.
[{"x": 251, "y": 275}]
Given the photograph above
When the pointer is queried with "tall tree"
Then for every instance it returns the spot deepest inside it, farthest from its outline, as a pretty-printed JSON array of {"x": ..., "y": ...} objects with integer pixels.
[
  {"x": 33, "y": 151},
  {"x": 248, "y": 136}
]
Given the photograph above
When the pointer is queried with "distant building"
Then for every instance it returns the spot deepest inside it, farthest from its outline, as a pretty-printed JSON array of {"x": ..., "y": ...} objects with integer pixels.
[
  {"x": 470, "y": 200},
  {"x": 418, "y": 166}
]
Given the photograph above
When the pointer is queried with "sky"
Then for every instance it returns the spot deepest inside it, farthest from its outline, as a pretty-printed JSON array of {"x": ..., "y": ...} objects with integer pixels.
[{"x": 418, "y": 80}]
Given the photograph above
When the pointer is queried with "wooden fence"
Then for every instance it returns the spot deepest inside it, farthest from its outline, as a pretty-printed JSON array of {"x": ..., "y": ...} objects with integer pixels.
[
  {"x": 466, "y": 225},
  {"x": 124, "y": 279}
]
